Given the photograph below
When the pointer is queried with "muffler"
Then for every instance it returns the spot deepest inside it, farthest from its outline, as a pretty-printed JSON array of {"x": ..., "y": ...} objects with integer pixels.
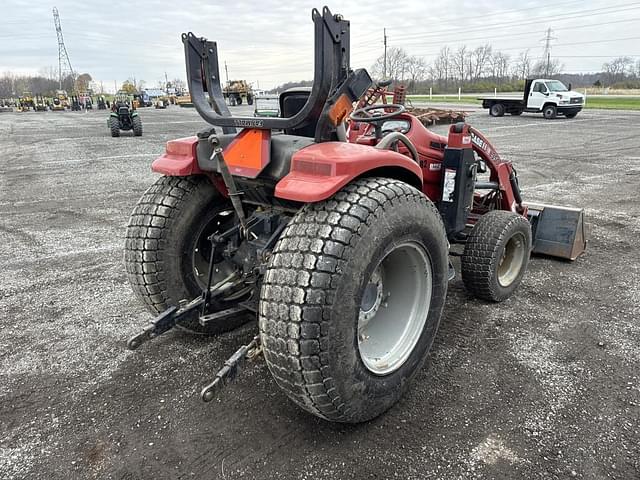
[{"x": 557, "y": 231}]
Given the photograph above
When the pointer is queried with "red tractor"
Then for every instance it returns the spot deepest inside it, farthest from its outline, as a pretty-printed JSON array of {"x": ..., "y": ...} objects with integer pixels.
[{"x": 339, "y": 248}]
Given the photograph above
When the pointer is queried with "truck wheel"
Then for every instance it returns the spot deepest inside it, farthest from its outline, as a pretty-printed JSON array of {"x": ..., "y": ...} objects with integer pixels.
[
  {"x": 496, "y": 255},
  {"x": 352, "y": 299},
  {"x": 571, "y": 115},
  {"x": 114, "y": 126},
  {"x": 550, "y": 112},
  {"x": 167, "y": 251},
  {"x": 137, "y": 126},
  {"x": 496, "y": 110},
  {"x": 232, "y": 101},
  {"x": 239, "y": 100}
]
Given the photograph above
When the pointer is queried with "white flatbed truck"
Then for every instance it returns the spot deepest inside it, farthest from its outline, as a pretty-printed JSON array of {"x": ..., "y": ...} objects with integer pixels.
[{"x": 549, "y": 97}]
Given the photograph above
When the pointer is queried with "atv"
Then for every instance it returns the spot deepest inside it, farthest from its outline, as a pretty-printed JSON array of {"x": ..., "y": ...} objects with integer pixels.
[
  {"x": 124, "y": 117},
  {"x": 340, "y": 249}
]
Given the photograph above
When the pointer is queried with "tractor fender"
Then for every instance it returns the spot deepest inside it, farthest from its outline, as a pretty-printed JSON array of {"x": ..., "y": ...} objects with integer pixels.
[
  {"x": 179, "y": 159},
  {"x": 113, "y": 114},
  {"x": 320, "y": 170},
  {"x": 134, "y": 114}
]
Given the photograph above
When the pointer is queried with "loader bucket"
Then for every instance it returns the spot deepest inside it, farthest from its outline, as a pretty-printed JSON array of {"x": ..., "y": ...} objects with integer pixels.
[{"x": 557, "y": 231}]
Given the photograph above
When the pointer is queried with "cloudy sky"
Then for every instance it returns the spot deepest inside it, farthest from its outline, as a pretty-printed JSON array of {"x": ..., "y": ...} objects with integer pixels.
[{"x": 270, "y": 42}]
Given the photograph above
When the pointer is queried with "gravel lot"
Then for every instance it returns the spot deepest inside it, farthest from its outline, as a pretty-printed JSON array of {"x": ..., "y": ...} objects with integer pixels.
[{"x": 545, "y": 385}]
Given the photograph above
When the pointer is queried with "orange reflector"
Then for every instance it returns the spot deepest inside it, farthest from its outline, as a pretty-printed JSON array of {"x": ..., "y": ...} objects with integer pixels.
[
  {"x": 249, "y": 153},
  {"x": 340, "y": 110}
]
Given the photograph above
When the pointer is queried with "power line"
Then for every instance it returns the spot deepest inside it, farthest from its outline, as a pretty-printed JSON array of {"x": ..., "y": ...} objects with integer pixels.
[
  {"x": 497, "y": 13},
  {"x": 537, "y": 20},
  {"x": 518, "y": 35}
]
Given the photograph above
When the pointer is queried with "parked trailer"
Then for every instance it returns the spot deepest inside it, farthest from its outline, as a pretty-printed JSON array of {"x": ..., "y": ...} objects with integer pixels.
[{"x": 549, "y": 97}]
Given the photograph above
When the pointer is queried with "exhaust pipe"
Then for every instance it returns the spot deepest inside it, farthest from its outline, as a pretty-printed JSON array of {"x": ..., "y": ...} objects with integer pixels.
[{"x": 557, "y": 231}]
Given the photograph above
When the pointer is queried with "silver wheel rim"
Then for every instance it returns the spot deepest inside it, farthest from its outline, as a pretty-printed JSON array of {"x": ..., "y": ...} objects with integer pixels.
[
  {"x": 512, "y": 259},
  {"x": 394, "y": 308}
]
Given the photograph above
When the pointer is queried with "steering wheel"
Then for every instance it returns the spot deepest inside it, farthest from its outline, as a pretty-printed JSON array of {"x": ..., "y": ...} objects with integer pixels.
[{"x": 365, "y": 114}]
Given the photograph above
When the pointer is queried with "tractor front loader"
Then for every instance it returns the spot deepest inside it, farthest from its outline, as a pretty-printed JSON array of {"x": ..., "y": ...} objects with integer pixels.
[{"x": 340, "y": 249}]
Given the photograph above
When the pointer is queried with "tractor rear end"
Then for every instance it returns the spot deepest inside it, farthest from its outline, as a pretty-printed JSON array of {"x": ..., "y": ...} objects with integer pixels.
[{"x": 339, "y": 249}]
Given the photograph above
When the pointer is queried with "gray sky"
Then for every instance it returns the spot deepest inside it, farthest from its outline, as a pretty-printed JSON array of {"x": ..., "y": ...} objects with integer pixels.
[{"x": 271, "y": 41}]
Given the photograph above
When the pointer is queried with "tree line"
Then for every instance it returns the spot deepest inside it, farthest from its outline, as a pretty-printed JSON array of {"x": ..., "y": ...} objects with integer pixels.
[
  {"x": 45, "y": 83},
  {"x": 483, "y": 68}
]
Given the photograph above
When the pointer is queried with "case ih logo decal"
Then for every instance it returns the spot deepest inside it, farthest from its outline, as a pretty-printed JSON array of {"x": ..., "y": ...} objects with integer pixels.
[
  {"x": 480, "y": 143},
  {"x": 248, "y": 123}
]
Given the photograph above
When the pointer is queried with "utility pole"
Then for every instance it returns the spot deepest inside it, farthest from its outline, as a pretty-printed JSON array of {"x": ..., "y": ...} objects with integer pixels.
[
  {"x": 226, "y": 71},
  {"x": 547, "y": 51},
  {"x": 166, "y": 83},
  {"x": 384, "y": 75}
]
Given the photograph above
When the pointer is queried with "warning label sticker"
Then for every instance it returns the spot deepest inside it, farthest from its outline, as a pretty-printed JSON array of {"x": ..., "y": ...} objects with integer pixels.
[{"x": 449, "y": 185}]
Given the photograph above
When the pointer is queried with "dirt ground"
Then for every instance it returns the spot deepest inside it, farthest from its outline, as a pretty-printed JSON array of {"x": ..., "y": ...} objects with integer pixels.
[{"x": 544, "y": 385}]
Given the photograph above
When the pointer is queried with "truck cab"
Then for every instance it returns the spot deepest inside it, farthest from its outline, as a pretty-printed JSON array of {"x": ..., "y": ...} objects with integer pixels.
[{"x": 546, "y": 96}]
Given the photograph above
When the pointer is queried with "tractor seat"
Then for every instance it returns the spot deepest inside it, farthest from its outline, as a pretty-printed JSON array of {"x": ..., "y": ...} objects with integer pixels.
[
  {"x": 282, "y": 149},
  {"x": 123, "y": 110}
]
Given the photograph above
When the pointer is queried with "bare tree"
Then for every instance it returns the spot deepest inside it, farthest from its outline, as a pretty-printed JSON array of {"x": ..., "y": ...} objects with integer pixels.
[
  {"x": 480, "y": 58},
  {"x": 499, "y": 66},
  {"x": 459, "y": 60},
  {"x": 522, "y": 67},
  {"x": 442, "y": 67},
  {"x": 396, "y": 64},
  {"x": 550, "y": 68},
  {"x": 49, "y": 72},
  {"x": 416, "y": 69},
  {"x": 6, "y": 85},
  {"x": 616, "y": 69}
]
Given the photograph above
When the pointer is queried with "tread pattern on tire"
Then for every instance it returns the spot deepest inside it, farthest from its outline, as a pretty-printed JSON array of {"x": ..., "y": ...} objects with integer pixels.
[
  {"x": 145, "y": 239},
  {"x": 300, "y": 286},
  {"x": 114, "y": 125},
  {"x": 137, "y": 126},
  {"x": 481, "y": 251}
]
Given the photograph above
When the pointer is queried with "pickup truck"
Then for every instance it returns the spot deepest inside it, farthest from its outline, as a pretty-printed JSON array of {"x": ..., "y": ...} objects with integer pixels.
[{"x": 550, "y": 97}]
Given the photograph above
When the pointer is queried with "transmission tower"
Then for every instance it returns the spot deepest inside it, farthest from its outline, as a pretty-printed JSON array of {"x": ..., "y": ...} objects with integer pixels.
[
  {"x": 64, "y": 64},
  {"x": 547, "y": 51}
]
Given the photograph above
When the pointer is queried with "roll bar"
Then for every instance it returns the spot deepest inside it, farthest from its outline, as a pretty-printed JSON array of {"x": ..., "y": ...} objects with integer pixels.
[{"x": 331, "y": 69}]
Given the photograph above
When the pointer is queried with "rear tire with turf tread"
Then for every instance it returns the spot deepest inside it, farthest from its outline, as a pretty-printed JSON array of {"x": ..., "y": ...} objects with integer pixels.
[
  {"x": 313, "y": 288},
  {"x": 484, "y": 255},
  {"x": 114, "y": 126},
  {"x": 137, "y": 126},
  {"x": 160, "y": 241}
]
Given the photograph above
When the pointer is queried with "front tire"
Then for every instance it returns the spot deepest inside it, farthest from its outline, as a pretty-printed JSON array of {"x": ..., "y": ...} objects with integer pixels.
[
  {"x": 167, "y": 251},
  {"x": 550, "y": 112},
  {"x": 496, "y": 255},
  {"x": 137, "y": 126},
  {"x": 352, "y": 299},
  {"x": 114, "y": 126}
]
